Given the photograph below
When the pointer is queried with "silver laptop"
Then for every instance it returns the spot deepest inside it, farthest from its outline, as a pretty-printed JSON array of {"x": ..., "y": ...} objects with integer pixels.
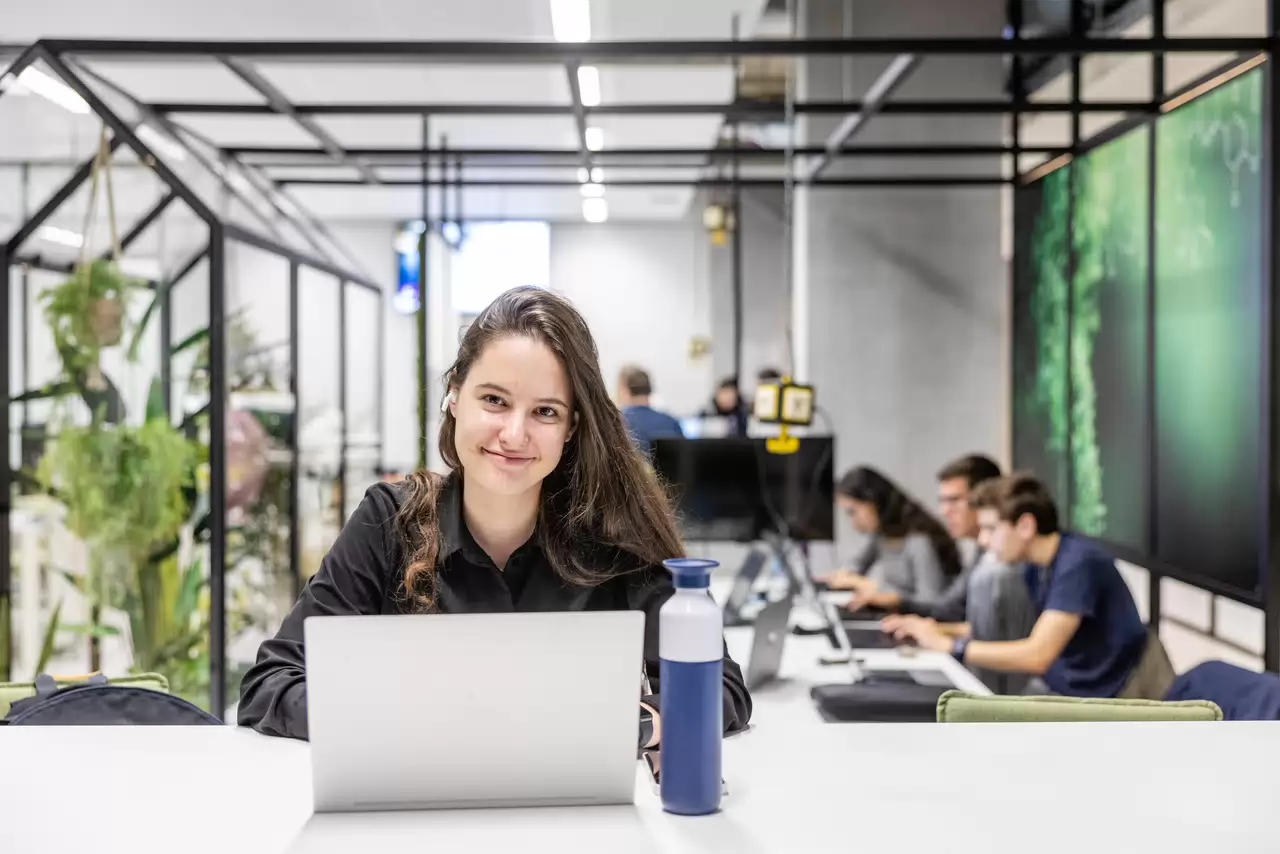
[{"x": 473, "y": 710}]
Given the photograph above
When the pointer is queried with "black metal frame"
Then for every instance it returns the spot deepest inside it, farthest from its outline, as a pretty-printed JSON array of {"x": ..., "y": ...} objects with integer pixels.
[
  {"x": 1271, "y": 350},
  {"x": 1267, "y": 595},
  {"x": 220, "y": 233},
  {"x": 240, "y": 56}
]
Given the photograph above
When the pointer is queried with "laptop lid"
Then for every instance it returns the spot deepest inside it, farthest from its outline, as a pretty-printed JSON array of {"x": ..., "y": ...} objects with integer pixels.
[
  {"x": 473, "y": 710},
  {"x": 743, "y": 583},
  {"x": 771, "y": 628}
]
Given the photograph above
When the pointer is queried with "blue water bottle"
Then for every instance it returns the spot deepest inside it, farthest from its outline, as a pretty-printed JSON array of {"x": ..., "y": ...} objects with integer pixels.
[{"x": 691, "y": 649}]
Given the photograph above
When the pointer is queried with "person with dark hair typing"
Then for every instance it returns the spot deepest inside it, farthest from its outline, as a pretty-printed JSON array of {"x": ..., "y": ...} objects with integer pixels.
[
  {"x": 988, "y": 599},
  {"x": 909, "y": 553},
  {"x": 1088, "y": 640},
  {"x": 546, "y": 508}
]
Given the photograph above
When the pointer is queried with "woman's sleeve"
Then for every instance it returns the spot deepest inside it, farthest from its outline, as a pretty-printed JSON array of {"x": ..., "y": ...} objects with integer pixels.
[
  {"x": 926, "y": 569},
  {"x": 648, "y": 593},
  {"x": 866, "y": 557},
  {"x": 352, "y": 579}
]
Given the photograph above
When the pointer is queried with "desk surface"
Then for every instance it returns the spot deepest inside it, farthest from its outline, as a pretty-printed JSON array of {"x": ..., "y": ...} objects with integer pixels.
[
  {"x": 796, "y": 784},
  {"x": 966, "y": 787}
]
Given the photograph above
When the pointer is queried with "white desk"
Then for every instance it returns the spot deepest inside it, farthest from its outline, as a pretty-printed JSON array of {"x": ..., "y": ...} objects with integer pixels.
[
  {"x": 787, "y": 700},
  {"x": 1167, "y": 788}
]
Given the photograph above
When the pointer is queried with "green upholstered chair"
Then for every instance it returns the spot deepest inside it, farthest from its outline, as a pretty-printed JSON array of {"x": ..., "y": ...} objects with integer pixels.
[
  {"x": 960, "y": 707},
  {"x": 12, "y": 692}
]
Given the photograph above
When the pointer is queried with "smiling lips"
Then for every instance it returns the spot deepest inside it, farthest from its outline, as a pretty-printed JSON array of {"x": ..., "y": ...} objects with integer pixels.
[{"x": 507, "y": 460}]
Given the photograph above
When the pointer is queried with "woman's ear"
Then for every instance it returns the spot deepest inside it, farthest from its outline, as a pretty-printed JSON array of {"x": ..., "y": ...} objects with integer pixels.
[
  {"x": 573, "y": 428},
  {"x": 450, "y": 401}
]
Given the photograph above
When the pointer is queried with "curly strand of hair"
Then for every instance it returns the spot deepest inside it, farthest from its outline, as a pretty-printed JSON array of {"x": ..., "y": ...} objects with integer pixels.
[{"x": 419, "y": 529}]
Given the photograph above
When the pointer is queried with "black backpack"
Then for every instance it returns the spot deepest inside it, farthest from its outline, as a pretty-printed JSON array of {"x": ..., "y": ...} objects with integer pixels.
[{"x": 96, "y": 703}]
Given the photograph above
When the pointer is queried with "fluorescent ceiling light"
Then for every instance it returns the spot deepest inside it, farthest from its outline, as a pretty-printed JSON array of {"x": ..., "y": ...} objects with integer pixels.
[
  {"x": 592, "y": 191},
  {"x": 583, "y": 175},
  {"x": 52, "y": 90},
  {"x": 595, "y": 210},
  {"x": 597, "y": 174},
  {"x": 571, "y": 20},
  {"x": 595, "y": 138},
  {"x": 60, "y": 236},
  {"x": 589, "y": 85},
  {"x": 162, "y": 144}
]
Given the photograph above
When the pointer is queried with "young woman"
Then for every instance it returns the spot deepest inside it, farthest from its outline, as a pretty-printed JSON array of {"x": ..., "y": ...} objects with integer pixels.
[
  {"x": 910, "y": 553},
  {"x": 547, "y": 507}
]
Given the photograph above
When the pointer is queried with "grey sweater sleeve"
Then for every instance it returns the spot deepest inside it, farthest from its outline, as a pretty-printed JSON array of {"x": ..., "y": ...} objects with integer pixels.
[
  {"x": 950, "y": 607},
  {"x": 928, "y": 579}
]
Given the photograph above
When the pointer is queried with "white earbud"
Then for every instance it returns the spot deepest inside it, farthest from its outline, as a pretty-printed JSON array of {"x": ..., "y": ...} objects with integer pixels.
[{"x": 451, "y": 397}]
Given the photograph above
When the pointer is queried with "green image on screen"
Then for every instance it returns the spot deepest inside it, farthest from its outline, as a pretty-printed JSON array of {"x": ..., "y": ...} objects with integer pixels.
[
  {"x": 1208, "y": 334},
  {"x": 1109, "y": 383},
  {"x": 1040, "y": 296}
]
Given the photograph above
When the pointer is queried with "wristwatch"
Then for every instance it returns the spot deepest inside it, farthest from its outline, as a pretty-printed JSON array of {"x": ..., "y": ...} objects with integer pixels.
[{"x": 958, "y": 648}]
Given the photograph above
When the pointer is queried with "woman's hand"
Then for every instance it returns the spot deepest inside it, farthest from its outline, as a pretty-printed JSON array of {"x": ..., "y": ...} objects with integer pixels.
[
  {"x": 843, "y": 579},
  {"x": 870, "y": 597},
  {"x": 655, "y": 738}
]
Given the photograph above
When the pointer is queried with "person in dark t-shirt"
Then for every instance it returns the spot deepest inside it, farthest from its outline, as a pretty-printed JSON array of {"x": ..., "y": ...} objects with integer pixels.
[
  {"x": 645, "y": 424},
  {"x": 1088, "y": 640}
]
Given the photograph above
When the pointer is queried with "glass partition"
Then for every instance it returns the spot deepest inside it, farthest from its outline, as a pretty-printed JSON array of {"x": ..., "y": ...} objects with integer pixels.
[
  {"x": 259, "y": 581},
  {"x": 363, "y": 354},
  {"x": 107, "y": 561},
  {"x": 107, "y": 569},
  {"x": 320, "y": 427}
]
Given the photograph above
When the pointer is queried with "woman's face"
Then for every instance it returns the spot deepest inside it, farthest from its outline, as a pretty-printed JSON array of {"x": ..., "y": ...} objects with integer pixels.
[
  {"x": 862, "y": 514},
  {"x": 514, "y": 414}
]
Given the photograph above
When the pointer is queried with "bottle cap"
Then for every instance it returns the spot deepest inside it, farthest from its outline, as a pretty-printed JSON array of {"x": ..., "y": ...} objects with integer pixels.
[{"x": 691, "y": 571}]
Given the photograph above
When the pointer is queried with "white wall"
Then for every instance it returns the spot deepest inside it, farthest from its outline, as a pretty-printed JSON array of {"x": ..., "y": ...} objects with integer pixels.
[
  {"x": 371, "y": 245},
  {"x": 766, "y": 302},
  {"x": 899, "y": 300},
  {"x": 644, "y": 292}
]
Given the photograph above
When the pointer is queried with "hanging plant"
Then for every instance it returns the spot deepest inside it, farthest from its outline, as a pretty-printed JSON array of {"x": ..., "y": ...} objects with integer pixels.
[{"x": 85, "y": 314}]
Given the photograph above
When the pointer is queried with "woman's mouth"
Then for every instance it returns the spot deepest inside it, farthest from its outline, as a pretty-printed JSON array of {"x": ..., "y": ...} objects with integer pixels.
[{"x": 505, "y": 459}]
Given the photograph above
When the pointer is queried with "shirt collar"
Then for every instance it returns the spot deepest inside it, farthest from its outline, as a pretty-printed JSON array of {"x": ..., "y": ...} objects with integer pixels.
[
  {"x": 454, "y": 536},
  {"x": 453, "y": 533}
]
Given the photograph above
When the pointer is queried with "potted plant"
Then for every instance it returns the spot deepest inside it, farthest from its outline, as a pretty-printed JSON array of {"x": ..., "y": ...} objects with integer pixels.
[
  {"x": 124, "y": 490},
  {"x": 85, "y": 315}
]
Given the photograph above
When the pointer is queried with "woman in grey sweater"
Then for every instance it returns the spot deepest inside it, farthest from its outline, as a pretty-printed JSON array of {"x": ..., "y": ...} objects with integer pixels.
[{"x": 909, "y": 551}]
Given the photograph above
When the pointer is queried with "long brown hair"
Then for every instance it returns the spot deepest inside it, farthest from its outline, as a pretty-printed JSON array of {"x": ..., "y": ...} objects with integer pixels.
[
  {"x": 602, "y": 511},
  {"x": 900, "y": 514}
]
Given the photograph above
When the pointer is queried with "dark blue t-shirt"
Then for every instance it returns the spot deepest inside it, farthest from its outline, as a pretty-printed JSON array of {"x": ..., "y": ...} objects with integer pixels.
[
  {"x": 646, "y": 424},
  {"x": 1083, "y": 579}
]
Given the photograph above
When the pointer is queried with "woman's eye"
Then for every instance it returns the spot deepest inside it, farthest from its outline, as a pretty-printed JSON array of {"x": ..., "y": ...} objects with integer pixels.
[
  {"x": 491, "y": 400},
  {"x": 547, "y": 412}
]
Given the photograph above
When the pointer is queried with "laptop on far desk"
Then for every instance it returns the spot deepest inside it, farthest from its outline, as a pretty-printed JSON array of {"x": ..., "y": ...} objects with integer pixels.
[{"x": 473, "y": 710}]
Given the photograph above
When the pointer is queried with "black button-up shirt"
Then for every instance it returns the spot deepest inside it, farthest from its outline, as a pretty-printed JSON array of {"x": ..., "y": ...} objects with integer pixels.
[{"x": 364, "y": 574}]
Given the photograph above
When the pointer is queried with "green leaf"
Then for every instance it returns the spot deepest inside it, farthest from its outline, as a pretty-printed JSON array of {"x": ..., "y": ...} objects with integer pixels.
[
  {"x": 76, "y": 581},
  {"x": 188, "y": 600},
  {"x": 50, "y": 633},
  {"x": 191, "y": 340},
  {"x": 58, "y": 389},
  {"x": 141, "y": 328},
  {"x": 156, "y": 408},
  {"x": 92, "y": 631}
]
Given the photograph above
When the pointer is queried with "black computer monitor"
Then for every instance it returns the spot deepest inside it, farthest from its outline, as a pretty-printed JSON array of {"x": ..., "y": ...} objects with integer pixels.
[{"x": 734, "y": 489}]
